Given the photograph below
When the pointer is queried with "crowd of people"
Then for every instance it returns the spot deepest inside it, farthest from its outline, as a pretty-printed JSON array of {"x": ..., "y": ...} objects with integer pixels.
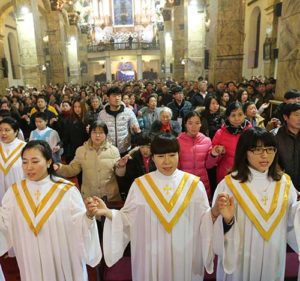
[{"x": 148, "y": 143}]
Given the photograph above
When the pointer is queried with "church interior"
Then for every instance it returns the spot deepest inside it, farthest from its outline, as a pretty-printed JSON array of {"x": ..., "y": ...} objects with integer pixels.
[{"x": 77, "y": 41}]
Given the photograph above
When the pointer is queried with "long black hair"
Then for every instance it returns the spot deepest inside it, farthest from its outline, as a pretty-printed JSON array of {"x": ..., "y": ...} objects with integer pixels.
[
  {"x": 250, "y": 139},
  {"x": 46, "y": 151}
]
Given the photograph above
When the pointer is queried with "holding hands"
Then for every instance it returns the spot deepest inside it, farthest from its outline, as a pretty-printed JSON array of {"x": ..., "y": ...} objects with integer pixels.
[
  {"x": 218, "y": 150},
  {"x": 95, "y": 207},
  {"x": 224, "y": 206}
]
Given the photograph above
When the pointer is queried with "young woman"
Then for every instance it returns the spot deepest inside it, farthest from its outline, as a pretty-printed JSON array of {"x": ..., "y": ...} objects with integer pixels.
[
  {"x": 10, "y": 154},
  {"x": 212, "y": 117},
  {"x": 166, "y": 217},
  {"x": 224, "y": 99},
  {"x": 242, "y": 96},
  {"x": 44, "y": 218},
  {"x": 74, "y": 132},
  {"x": 227, "y": 137},
  {"x": 96, "y": 159},
  {"x": 196, "y": 154},
  {"x": 265, "y": 200}
]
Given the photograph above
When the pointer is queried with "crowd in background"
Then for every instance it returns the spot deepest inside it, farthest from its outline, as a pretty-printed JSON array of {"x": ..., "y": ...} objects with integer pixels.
[{"x": 207, "y": 119}]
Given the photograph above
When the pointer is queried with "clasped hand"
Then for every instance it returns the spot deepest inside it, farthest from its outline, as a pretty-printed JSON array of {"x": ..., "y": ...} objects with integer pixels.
[
  {"x": 224, "y": 206},
  {"x": 96, "y": 207}
]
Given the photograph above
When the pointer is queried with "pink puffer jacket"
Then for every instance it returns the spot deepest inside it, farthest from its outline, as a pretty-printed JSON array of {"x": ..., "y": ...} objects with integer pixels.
[
  {"x": 229, "y": 141},
  {"x": 194, "y": 157}
]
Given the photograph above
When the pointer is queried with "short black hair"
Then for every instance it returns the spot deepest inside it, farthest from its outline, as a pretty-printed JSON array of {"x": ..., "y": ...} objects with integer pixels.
[
  {"x": 98, "y": 124},
  {"x": 114, "y": 90},
  {"x": 176, "y": 89},
  {"x": 151, "y": 96},
  {"x": 233, "y": 106},
  {"x": 41, "y": 96},
  {"x": 249, "y": 139},
  {"x": 291, "y": 94},
  {"x": 42, "y": 115},
  {"x": 289, "y": 108},
  {"x": 11, "y": 122},
  {"x": 246, "y": 105},
  {"x": 143, "y": 139},
  {"x": 164, "y": 143},
  {"x": 191, "y": 114}
]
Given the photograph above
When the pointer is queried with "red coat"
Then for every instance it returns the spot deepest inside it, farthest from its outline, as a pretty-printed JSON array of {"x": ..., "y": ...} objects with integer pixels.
[
  {"x": 194, "y": 157},
  {"x": 229, "y": 141}
]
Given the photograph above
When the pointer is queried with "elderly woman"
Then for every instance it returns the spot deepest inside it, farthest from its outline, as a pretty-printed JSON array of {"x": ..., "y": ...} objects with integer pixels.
[
  {"x": 165, "y": 124},
  {"x": 96, "y": 159}
]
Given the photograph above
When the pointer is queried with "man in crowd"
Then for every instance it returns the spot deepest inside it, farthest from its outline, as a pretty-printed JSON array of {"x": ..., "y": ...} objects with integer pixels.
[{"x": 120, "y": 120}]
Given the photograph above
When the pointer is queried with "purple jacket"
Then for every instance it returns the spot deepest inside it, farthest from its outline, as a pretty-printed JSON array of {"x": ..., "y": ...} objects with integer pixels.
[{"x": 195, "y": 157}]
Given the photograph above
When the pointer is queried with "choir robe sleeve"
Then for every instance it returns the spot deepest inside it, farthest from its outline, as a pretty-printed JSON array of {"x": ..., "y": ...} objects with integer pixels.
[
  {"x": 116, "y": 233},
  {"x": 88, "y": 236},
  {"x": 5, "y": 243},
  {"x": 226, "y": 246},
  {"x": 206, "y": 230},
  {"x": 293, "y": 229}
]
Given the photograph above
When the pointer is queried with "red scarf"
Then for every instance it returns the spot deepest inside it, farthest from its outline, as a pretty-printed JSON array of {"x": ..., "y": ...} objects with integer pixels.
[
  {"x": 146, "y": 161},
  {"x": 165, "y": 128}
]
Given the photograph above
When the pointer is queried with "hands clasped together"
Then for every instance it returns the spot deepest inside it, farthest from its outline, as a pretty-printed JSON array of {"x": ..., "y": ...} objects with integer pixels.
[
  {"x": 224, "y": 206},
  {"x": 95, "y": 207}
]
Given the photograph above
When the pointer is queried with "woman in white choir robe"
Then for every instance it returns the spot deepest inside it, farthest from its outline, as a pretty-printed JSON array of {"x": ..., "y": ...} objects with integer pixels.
[
  {"x": 10, "y": 154},
  {"x": 265, "y": 204},
  {"x": 166, "y": 218},
  {"x": 44, "y": 218}
]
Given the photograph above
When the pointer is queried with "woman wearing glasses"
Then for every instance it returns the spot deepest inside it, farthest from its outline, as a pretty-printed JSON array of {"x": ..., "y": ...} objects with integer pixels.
[{"x": 265, "y": 200}]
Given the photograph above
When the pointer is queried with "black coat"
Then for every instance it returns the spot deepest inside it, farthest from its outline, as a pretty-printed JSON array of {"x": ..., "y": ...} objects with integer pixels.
[{"x": 289, "y": 154}]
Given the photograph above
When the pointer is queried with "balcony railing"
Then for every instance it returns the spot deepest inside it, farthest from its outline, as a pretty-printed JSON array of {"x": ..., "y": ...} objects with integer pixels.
[{"x": 101, "y": 47}]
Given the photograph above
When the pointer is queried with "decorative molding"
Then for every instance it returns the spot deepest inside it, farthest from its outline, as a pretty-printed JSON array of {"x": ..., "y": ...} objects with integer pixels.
[
  {"x": 251, "y": 2},
  {"x": 10, "y": 27}
]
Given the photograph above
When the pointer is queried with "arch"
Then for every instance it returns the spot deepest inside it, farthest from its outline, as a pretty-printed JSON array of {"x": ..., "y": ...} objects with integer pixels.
[
  {"x": 14, "y": 56},
  {"x": 254, "y": 35}
]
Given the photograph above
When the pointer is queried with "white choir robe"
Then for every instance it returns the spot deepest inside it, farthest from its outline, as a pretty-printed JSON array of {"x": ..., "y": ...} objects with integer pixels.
[
  {"x": 10, "y": 168},
  {"x": 156, "y": 254},
  {"x": 1, "y": 275},
  {"x": 297, "y": 234},
  {"x": 10, "y": 165},
  {"x": 65, "y": 243},
  {"x": 257, "y": 258}
]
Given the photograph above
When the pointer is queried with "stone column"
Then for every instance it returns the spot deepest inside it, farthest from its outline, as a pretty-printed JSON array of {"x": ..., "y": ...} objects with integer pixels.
[
  {"x": 72, "y": 50},
  {"x": 195, "y": 39},
  {"x": 57, "y": 48},
  {"x": 139, "y": 65},
  {"x": 178, "y": 41},
  {"x": 288, "y": 75},
  {"x": 30, "y": 43},
  {"x": 168, "y": 45},
  {"x": 83, "y": 57},
  {"x": 3, "y": 81},
  {"x": 108, "y": 68},
  {"x": 227, "y": 49}
]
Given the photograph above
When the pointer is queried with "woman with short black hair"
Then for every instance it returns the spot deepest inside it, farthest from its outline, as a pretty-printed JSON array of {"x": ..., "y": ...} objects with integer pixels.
[{"x": 96, "y": 159}]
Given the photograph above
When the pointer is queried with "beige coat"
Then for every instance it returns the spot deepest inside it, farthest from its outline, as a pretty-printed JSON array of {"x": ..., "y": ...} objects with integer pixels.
[{"x": 98, "y": 174}]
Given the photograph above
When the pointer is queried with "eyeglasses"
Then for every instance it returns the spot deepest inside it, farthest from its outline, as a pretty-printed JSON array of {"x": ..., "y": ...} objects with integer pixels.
[{"x": 261, "y": 149}]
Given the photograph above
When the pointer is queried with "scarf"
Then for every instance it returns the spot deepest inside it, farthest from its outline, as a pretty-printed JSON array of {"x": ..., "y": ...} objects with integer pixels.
[{"x": 236, "y": 130}]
